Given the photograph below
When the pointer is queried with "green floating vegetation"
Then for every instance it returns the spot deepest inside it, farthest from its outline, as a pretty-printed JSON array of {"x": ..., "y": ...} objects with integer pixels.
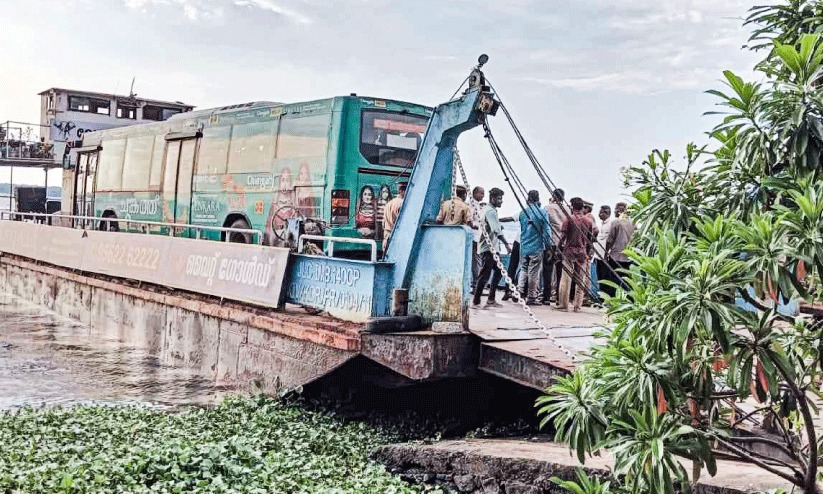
[{"x": 243, "y": 445}]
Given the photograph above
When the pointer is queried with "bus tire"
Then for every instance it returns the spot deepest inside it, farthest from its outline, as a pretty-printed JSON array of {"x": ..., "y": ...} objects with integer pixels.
[{"x": 237, "y": 237}]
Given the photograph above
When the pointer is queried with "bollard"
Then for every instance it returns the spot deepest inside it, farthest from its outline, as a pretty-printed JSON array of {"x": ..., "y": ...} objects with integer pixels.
[{"x": 400, "y": 302}]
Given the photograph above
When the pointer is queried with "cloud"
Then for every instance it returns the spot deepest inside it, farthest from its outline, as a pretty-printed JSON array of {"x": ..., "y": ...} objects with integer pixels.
[
  {"x": 629, "y": 82},
  {"x": 439, "y": 58},
  {"x": 195, "y": 10},
  {"x": 640, "y": 46},
  {"x": 271, "y": 6}
]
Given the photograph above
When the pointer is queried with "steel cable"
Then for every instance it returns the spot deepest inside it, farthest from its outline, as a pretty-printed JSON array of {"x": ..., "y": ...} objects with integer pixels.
[
  {"x": 504, "y": 272},
  {"x": 542, "y": 174}
]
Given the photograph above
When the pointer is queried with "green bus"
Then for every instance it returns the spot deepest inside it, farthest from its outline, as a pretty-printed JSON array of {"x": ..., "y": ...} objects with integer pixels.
[{"x": 333, "y": 163}]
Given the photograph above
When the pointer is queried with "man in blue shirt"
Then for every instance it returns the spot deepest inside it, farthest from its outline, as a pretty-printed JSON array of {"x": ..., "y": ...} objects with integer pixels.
[{"x": 535, "y": 238}]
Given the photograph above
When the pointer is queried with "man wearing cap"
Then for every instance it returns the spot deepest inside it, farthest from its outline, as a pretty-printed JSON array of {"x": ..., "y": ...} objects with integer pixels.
[
  {"x": 391, "y": 211},
  {"x": 455, "y": 211}
]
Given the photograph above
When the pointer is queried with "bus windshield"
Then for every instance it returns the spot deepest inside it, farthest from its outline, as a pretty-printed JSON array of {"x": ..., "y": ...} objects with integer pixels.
[{"x": 388, "y": 138}]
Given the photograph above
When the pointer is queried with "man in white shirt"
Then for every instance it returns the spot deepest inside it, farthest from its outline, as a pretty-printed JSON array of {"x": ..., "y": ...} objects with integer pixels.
[
  {"x": 477, "y": 205},
  {"x": 489, "y": 244},
  {"x": 600, "y": 260},
  {"x": 552, "y": 263}
]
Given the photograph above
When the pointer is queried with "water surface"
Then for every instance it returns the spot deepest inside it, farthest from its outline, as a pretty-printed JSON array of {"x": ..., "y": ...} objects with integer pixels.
[{"x": 49, "y": 359}]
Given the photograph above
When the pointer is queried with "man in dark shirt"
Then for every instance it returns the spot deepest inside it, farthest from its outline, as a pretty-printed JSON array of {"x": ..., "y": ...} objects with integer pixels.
[
  {"x": 574, "y": 245},
  {"x": 620, "y": 236}
]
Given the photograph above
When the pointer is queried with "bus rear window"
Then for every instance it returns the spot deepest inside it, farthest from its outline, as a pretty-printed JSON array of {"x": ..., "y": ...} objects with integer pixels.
[{"x": 391, "y": 138}]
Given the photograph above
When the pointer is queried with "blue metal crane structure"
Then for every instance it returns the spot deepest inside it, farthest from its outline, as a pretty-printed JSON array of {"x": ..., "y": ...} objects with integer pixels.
[{"x": 424, "y": 277}]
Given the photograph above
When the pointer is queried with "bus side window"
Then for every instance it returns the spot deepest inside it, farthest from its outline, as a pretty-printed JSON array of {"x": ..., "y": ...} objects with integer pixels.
[
  {"x": 156, "y": 174},
  {"x": 110, "y": 171},
  {"x": 303, "y": 136},
  {"x": 214, "y": 151},
  {"x": 252, "y": 147},
  {"x": 137, "y": 163}
]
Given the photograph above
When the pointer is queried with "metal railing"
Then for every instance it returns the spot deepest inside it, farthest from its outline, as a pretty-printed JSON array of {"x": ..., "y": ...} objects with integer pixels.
[
  {"x": 173, "y": 227},
  {"x": 19, "y": 141},
  {"x": 331, "y": 240}
]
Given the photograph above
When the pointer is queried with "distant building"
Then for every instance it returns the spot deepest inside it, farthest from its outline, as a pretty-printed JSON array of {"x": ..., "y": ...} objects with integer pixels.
[{"x": 66, "y": 114}]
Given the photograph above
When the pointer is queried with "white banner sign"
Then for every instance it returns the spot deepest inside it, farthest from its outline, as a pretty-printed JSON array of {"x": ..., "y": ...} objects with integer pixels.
[{"x": 246, "y": 273}]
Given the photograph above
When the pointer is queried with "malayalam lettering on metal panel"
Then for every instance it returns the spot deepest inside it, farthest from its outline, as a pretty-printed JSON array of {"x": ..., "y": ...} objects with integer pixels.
[
  {"x": 249, "y": 273},
  {"x": 343, "y": 288},
  {"x": 246, "y": 273}
]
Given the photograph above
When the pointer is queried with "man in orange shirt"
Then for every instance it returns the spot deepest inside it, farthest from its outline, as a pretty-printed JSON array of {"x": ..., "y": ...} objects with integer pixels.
[
  {"x": 391, "y": 211},
  {"x": 455, "y": 211}
]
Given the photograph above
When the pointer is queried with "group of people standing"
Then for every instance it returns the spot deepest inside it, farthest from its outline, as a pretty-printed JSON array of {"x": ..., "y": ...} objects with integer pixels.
[{"x": 560, "y": 254}]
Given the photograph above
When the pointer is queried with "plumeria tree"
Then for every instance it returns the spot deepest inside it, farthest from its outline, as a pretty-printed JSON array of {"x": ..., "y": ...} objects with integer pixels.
[{"x": 687, "y": 373}]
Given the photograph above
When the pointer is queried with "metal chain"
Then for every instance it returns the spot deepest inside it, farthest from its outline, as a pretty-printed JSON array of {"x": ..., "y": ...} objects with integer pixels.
[
  {"x": 454, "y": 182},
  {"x": 458, "y": 164}
]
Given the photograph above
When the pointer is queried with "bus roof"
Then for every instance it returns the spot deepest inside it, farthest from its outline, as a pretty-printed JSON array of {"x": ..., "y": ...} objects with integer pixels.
[
  {"x": 222, "y": 109},
  {"x": 189, "y": 120},
  {"x": 273, "y": 104}
]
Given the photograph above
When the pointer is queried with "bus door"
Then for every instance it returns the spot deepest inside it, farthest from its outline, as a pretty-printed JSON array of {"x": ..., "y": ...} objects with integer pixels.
[
  {"x": 177, "y": 180},
  {"x": 84, "y": 186}
]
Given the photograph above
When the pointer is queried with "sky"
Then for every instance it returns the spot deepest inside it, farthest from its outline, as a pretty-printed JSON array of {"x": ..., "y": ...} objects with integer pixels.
[{"x": 594, "y": 85}]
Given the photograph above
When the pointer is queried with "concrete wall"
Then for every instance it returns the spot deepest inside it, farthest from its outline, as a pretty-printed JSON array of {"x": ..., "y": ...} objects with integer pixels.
[
  {"x": 517, "y": 466},
  {"x": 235, "y": 346}
]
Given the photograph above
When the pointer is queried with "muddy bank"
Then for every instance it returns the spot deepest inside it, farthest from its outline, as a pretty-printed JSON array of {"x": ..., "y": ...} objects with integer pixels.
[
  {"x": 484, "y": 406},
  {"x": 517, "y": 466}
]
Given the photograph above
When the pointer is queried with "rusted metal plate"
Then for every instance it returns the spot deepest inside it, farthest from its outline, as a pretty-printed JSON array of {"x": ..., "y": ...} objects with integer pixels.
[
  {"x": 506, "y": 334},
  {"x": 531, "y": 363},
  {"x": 512, "y": 316},
  {"x": 441, "y": 279},
  {"x": 423, "y": 355},
  {"x": 576, "y": 332}
]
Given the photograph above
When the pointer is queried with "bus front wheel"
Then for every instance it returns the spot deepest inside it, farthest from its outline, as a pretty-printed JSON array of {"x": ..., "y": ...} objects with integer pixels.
[{"x": 239, "y": 237}]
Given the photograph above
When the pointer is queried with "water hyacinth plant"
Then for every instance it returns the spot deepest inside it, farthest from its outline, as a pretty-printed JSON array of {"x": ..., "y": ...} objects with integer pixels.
[{"x": 243, "y": 445}]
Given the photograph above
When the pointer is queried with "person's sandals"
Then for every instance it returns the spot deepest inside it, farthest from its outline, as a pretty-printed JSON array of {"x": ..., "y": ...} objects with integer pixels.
[{"x": 493, "y": 304}]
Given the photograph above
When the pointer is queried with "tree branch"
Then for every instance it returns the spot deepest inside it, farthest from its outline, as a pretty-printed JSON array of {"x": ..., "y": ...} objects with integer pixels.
[
  {"x": 796, "y": 479},
  {"x": 810, "y": 480},
  {"x": 754, "y": 455},
  {"x": 757, "y": 439},
  {"x": 748, "y": 298},
  {"x": 748, "y": 415},
  {"x": 787, "y": 436}
]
